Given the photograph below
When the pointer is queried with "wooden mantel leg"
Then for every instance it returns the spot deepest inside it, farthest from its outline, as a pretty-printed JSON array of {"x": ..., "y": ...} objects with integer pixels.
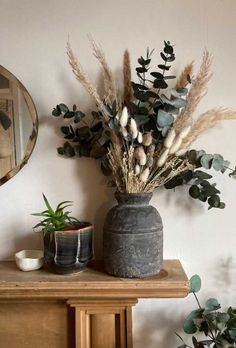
[{"x": 103, "y": 323}]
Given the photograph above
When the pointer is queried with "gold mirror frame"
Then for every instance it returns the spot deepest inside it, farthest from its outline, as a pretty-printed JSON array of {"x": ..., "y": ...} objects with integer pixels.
[{"x": 16, "y": 84}]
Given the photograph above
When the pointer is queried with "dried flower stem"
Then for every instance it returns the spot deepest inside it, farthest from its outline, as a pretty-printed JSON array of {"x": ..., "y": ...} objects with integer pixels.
[
  {"x": 206, "y": 121},
  {"x": 172, "y": 167},
  {"x": 127, "y": 78},
  {"x": 183, "y": 78},
  {"x": 108, "y": 77},
  {"x": 197, "y": 91},
  {"x": 82, "y": 77}
]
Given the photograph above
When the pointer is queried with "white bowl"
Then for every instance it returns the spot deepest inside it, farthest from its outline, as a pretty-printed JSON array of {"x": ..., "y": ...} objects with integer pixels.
[{"x": 29, "y": 260}]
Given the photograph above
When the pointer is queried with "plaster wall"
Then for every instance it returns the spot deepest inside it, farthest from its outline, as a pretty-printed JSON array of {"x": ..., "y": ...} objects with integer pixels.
[{"x": 33, "y": 36}]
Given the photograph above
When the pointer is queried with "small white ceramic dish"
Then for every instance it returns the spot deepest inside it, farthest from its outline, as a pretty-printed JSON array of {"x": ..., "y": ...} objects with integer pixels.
[{"x": 29, "y": 260}]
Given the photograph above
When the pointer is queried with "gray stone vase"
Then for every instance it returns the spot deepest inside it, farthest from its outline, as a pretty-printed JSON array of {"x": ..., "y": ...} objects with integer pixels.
[{"x": 133, "y": 237}]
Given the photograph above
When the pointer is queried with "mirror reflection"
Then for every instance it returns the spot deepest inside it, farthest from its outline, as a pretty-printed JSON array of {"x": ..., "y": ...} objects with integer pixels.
[{"x": 18, "y": 125}]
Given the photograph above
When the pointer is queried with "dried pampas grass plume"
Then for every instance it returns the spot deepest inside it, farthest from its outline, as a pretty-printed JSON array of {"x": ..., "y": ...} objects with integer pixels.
[
  {"x": 108, "y": 77},
  {"x": 82, "y": 77},
  {"x": 127, "y": 78},
  {"x": 206, "y": 121},
  {"x": 183, "y": 78},
  {"x": 197, "y": 91}
]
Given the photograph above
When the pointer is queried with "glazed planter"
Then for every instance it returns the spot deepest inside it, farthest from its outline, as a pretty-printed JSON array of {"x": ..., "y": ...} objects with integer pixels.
[
  {"x": 69, "y": 251},
  {"x": 133, "y": 237}
]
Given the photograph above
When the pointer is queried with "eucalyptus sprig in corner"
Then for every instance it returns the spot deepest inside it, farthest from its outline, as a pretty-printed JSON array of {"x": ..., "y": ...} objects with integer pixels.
[{"x": 218, "y": 326}]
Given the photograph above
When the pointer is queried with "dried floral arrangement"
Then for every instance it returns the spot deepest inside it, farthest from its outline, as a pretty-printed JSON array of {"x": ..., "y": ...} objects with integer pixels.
[{"x": 143, "y": 135}]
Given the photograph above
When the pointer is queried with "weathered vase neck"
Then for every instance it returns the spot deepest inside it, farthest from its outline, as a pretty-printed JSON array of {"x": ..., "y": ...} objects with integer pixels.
[{"x": 133, "y": 198}]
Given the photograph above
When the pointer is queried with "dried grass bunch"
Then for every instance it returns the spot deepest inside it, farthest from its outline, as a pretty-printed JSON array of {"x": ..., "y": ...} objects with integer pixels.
[{"x": 144, "y": 138}]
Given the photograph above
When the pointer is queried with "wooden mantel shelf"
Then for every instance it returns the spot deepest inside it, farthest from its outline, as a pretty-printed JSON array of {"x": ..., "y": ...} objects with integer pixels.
[
  {"x": 93, "y": 282},
  {"x": 88, "y": 310}
]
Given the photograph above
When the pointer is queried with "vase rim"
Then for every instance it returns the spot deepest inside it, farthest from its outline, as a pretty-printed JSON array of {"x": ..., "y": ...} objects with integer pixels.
[
  {"x": 133, "y": 197},
  {"x": 133, "y": 193}
]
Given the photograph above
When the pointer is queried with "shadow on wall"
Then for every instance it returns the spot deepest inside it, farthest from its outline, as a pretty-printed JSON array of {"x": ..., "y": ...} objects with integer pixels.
[
  {"x": 157, "y": 321},
  {"x": 30, "y": 241},
  {"x": 224, "y": 277},
  {"x": 158, "y": 328},
  {"x": 96, "y": 197},
  {"x": 179, "y": 199}
]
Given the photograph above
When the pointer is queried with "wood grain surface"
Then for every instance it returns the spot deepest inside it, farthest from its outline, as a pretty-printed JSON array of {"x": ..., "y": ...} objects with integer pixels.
[{"x": 92, "y": 282}]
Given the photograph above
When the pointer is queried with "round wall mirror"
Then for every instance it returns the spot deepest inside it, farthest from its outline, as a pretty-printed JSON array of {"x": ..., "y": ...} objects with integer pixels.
[{"x": 18, "y": 125}]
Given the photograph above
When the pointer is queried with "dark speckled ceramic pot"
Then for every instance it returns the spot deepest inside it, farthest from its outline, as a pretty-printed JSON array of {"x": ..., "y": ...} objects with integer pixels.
[
  {"x": 133, "y": 237},
  {"x": 69, "y": 251}
]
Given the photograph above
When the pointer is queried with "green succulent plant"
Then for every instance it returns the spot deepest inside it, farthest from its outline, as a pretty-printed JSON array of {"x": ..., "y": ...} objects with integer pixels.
[
  {"x": 219, "y": 327},
  {"x": 55, "y": 219}
]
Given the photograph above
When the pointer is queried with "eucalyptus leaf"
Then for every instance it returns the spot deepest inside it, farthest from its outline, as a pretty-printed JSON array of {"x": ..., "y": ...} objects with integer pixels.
[
  {"x": 176, "y": 102},
  {"x": 194, "y": 191},
  {"x": 168, "y": 49},
  {"x": 189, "y": 325},
  {"x": 160, "y": 83},
  {"x": 206, "y": 161},
  {"x": 78, "y": 115},
  {"x": 63, "y": 107},
  {"x": 232, "y": 333},
  {"x": 171, "y": 58},
  {"x": 157, "y": 75},
  {"x": 65, "y": 130},
  {"x": 68, "y": 150},
  {"x": 141, "y": 119},
  {"x": 195, "y": 283},
  {"x": 192, "y": 156},
  {"x": 77, "y": 150},
  {"x": 164, "y": 57},
  {"x": 56, "y": 111},
  {"x": 164, "y": 119},
  {"x": 212, "y": 303},
  {"x": 175, "y": 181},
  {"x": 214, "y": 201},
  {"x": 60, "y": 151},
  {"x": 109, "y": 110},
  {"x": 202, "y": 175},
  {"x": 164, "y": 67},
  {"x": 69, "y": 114},
  {"x": 209, "y": 190},
  {"x": 223, "y": 317},
  {"x": 233, "y": 174},
  {"x": 218, "y": 162},
  {"x": 141, "y": 70}
]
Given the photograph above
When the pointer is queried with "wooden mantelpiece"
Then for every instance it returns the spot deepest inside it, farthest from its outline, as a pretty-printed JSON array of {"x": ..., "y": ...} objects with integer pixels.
[{"x": 88, "y": 310}]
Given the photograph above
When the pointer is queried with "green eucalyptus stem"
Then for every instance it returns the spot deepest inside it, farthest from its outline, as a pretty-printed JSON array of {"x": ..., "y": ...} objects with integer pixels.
[
  {"x": 208, "y": 324},
  {"x": 196, "y": 298}
]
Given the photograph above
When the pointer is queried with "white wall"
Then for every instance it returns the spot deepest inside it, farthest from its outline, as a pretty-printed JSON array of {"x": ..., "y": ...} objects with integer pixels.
[{"x": 33, "y": 35}]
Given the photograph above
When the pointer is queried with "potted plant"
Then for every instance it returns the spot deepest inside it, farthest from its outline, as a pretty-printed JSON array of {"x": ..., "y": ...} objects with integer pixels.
[
  {"x": 218, "y": 327},
  {"x": 67, "y": 241},
  {"x": 143, "y": 139}
]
